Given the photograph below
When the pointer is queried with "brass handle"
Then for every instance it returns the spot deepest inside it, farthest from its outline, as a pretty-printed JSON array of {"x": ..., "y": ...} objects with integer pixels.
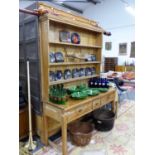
[
  {"x": 97, "y": 103},
  {"x": 108, "y": 97},
  {"x": 80, "y": 110}
]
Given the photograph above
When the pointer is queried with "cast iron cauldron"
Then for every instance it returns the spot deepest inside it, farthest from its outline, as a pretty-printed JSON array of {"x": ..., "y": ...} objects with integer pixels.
[{"x": 104, "y": 119}]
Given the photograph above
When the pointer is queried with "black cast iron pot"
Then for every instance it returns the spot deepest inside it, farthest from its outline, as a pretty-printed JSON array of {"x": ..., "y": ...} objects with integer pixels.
[{"x": 104, "y": 120}]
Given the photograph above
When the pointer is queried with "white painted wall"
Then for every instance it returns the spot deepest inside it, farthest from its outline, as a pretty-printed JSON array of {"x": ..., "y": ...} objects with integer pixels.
[
  {"x": 24, "y": 4},
  {"x": 112, "y": 16}
]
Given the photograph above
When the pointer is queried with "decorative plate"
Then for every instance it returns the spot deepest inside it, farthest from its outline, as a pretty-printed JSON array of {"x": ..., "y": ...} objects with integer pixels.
[
  {"x": 79, "y": 95},
  {"x": 51, "y": 57},
  {"x": 82, "y": 72},
  {"x": 75, "y": 38},
  {"x": 88, "y": 58},
  {"x": 93, "y": 57},
  {"x": 91, "y": 92},
  {"x": 88, "y": 71},
  {"x": 59, "y": 57},
  {"x": 73, "y": 89},
  {"x": 103, "y": 89},
  {"x": 67, "y": 74},
  {"x": 93, "y": 70},
  {"x": 65, "y": 36},
  {"x": 82, "y": 87},
  {"x": 52, "y": 76},
  {"x": 75, "y": 73},
  {"x": 59, "y": 75}
]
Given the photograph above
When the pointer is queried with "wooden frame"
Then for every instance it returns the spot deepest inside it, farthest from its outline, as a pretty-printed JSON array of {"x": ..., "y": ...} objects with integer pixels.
[
  {"x": 123, "y": 49},
  {"x": 132, "y": 52},
  {"x": 108, "y": 46}
]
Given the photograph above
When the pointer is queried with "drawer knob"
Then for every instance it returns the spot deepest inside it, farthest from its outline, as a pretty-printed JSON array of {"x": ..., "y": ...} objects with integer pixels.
[{"x": 80, "y": 110}]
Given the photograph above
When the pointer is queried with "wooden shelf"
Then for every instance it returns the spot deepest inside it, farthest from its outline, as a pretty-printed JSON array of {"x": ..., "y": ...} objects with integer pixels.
[
  {"x": 73, "y": 23},
  {"x": 72, "y": 80},
  {"x": 76, "y": 45},
  {"x": 74, "y": 63}
]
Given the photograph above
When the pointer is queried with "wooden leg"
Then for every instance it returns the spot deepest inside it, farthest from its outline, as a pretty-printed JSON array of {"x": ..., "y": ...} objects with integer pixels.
[
  {"x": 113, "y": 106},
  {"x": 64, "y": 136},
  {"x": 116, "y": 103},
  {"x": 44, "y": 137}
]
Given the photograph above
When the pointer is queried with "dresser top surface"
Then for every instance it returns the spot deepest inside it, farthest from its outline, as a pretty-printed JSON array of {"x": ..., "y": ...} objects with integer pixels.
[{"x": 72, "y": 103}]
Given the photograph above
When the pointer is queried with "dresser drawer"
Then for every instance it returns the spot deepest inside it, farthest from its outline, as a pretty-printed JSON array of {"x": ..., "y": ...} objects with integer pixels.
[
  {"x": 52, "y": 112},
  {"x": 107, "y": 99},
  {"x": 78, "y": 112},
  {"x": 96, "y": 103}
]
